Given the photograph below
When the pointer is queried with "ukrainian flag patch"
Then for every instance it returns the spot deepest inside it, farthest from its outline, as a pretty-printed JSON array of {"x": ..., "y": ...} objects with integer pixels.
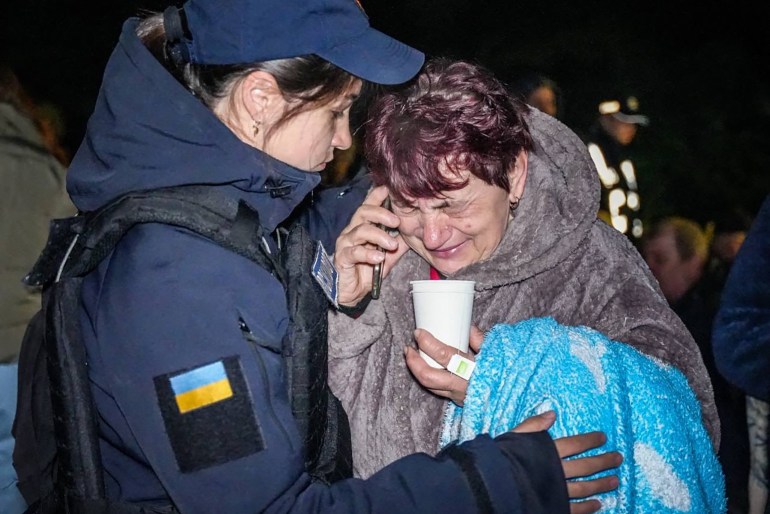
[
  {"x": 201, "y": 387},
  {"x": 209, "y": 414}
]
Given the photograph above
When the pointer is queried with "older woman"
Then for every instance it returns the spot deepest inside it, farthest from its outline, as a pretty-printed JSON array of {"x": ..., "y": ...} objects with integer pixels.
[{"x": 482, "y": 189}]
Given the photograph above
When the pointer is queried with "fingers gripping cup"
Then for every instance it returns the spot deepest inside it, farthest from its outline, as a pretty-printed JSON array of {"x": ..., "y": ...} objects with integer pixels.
[{"x": 444, "y": 308}]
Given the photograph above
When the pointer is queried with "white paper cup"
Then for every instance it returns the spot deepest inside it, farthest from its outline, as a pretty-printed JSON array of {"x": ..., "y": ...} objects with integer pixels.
[{"x": 444, "y": 308}]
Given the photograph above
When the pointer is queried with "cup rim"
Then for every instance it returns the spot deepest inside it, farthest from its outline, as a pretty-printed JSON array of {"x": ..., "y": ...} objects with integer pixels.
[
  {"x": 444, "y": 281},
  {"x": 444, "y": 286}
]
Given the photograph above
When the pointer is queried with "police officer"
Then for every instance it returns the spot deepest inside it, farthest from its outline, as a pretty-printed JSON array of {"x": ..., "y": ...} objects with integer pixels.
[{"x": 614, "y": 130}]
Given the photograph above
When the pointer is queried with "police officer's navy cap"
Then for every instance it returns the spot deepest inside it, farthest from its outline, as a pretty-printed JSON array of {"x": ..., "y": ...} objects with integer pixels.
[{"x": 247, "y": 31}]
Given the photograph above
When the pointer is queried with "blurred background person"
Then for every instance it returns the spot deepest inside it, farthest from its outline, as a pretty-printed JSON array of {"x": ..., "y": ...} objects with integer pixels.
[
  {"x": 33, "y": 193},
  {"x": 676, "y": 250},
  {"x": 32, "y": 181},
  {"x": 729, "y": 230},
  {"x": 609, "y": 138},
  {"x": 741, "y": 340},
  {"x": 535, "y": 88},
  {"x": 50, "y": 123}
]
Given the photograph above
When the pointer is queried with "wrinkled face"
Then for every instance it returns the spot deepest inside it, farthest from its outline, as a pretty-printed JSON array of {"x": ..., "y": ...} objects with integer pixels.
[
  {"x": 462, "y": 228},
  {"x": 673, "y": 273},
  {"x": 308, "y": 140}
]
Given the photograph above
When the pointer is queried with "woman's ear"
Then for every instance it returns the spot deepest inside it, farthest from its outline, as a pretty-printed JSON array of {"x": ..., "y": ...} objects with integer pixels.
[
  {"x": 262, "y": 103},
  {"x": 259, "y": 94},
  {"x": 518, "y": 176},
  {"x": 251, "y": 107}
]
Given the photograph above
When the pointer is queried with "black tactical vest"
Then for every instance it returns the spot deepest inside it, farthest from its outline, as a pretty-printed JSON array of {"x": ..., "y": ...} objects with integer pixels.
[{"x": 57, "y": 456}]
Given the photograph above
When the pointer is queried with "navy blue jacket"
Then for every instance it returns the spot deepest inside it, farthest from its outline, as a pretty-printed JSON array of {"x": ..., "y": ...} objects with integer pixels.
[
  {"x": 741, "y": 336},
  {"x": 184, "y": 337}
]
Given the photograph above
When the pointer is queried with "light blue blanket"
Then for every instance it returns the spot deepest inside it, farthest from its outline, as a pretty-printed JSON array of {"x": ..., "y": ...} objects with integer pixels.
[{"x": 646, "y": 409}]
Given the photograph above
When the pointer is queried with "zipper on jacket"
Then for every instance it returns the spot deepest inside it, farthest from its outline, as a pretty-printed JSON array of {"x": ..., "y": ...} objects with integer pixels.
[{"x": 253, "y": 344}]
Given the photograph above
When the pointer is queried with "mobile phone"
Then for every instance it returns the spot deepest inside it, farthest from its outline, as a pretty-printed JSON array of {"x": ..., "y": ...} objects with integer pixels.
[{"x": 378, "y": 268}]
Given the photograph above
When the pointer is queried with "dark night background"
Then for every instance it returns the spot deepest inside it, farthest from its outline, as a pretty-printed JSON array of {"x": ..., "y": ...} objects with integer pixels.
[{"x": 700, "y": 71}]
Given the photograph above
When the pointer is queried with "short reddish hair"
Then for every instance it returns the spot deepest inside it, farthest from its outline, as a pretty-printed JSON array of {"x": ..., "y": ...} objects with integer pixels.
[{"x": 455, "y": 115}]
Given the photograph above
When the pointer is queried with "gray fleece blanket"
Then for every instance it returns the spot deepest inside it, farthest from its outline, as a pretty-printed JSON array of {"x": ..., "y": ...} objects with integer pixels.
[{"x": 555, "y": 260}]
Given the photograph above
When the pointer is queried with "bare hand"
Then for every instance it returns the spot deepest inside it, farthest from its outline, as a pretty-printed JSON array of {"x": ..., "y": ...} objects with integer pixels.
[
  {"x": 581, "y": 467},
  {"x": 587, "y": 466},
  {"x": 440, "y": 381},
  {"x": 357, "y": 247}
]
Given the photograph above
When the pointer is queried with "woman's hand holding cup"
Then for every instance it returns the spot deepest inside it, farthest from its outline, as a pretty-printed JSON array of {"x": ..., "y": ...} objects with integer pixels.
[{"x": 439, "y": 381}]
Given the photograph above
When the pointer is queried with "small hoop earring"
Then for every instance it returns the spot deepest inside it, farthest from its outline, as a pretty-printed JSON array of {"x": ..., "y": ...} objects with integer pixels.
[
  {"x": 514, "y": 203},
  {"x": 256, "y": 128}
]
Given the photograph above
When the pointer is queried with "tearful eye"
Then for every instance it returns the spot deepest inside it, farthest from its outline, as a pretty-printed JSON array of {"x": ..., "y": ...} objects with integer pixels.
[
  {"x": 403, "y": 209},
  {"x": 454, "y": 210}
]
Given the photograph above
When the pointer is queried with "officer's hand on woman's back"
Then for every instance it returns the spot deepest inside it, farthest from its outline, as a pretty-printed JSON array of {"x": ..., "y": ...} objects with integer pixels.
[{"x": 579, "y": 467}]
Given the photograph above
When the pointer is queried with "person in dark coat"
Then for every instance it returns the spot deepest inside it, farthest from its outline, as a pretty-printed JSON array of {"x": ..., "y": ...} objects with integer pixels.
[{"x": 741, "y": 341}]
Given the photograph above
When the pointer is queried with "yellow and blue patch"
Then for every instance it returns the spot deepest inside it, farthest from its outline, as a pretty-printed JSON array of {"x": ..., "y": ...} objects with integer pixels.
[
  {"x": 209, "y": 414},
  {"x": 201, "y": 387}
]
